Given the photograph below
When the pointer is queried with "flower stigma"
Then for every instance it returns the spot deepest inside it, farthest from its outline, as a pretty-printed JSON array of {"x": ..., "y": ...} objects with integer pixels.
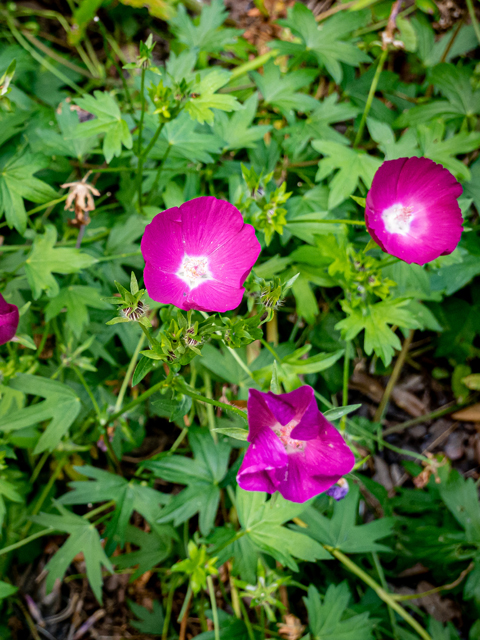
[
  {"x": 398, "y": 219},
  {"x": 283, "y": 432},
  {"x": 194, "y": 270}
]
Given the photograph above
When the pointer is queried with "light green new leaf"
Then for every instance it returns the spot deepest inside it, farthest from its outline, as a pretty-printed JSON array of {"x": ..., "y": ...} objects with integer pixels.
[
  {"x": 329, "y": 620},
  {"x": 75, "y": 299},
  {"x": 45, "y": 259},
  {"x": 17, "y": 183},
  {"x": 61, "y": 406},
  {"x": 128, "y": 496},
  {"x": 203, "y": 96},
  {"x": 353, "y": 165},
  {"x": 375, "y": 319},
  {"x": 84, "y": 538},
  {"x": 109, "y": 122}
]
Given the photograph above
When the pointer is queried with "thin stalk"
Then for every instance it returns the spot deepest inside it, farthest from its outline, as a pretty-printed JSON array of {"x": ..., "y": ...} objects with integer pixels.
[
  {"x": 246, "y": 619},
  {"x": 358, "y": 223},
  {"x": 81, "y": 377},
  {"x": 94, "y": 512},
  {"x": 241, "y": 362},
  {"x": 119, "y": 256},
  {"x": 215, "y": 403},
  {"x": 128, "y": 375},
  {"x": 48, "y": 487},
  {"x": 140, "y": 134},
  {"x": 168, "y": 612},
  {"x": 251, "y": 65},
  {"x": 159, "y": 173},
  {"x": 134, "y": 403},
  {"x": 346, "y": 377},
  {"x": 370, "y": 97},
  {"x": 210, "y": 415},
  {"x": 186, "y": 602},
  {"x": 39, "y": 467},
  {"x": 43, "y": 61},
  {"x": 25, "y": 541},
  {"x": 383, "y": 582},
  {"x": 46, "y": 205},
  {"x": 380, "y": 412},
  {"x": 152, "y": 142},
  {"x": 213, "y": 600},
  {"x": 438, "y": 413},
  {"x": 55, "y": 56},
  {"x": 473, "y": 18},
  {"x": 178, "y": 442},
  {"x": 380, "y": 591}
]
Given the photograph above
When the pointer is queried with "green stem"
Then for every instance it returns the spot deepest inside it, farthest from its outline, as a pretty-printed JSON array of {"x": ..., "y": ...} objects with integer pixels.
[
  {"x": 213, "y": 600},
  {"x": 438, "y": 413},
  {"x": 380, "y": 412},
  {"x": 39, "y": 467},
  {"x": 241, "y": 362},
  {"x": 346, "y": 377},
  {"x": 246, "y": 619},
  {"x": 120, "y": 256},
  {"x": 210, "y": 415},
  {"x": 370, "y": 97},
  {"x": 134, "y": 403},
  {"x": 152, "y": 142},
  {"x": 380, "y": 591},
  {"x": 41, "y": 207},
  {"x": 140, "y": 133},
  {"x": 91, "y": 514},
  {"x": 87, "y": 389},
  {"x": 186, "y": 602},
  {"x": 358, "y": 223},
  {"x": 383, "y": 582},
  {"x": 251, "y": 65},
  {"x": 473, "y": 18},
  {"x": 168, "y": 612},
  {"x": 215, "y": 403},
  {"x": 25, "y": 541},
  {"x": 128, "y": 375},
  {"x": 159, "y": 173}
]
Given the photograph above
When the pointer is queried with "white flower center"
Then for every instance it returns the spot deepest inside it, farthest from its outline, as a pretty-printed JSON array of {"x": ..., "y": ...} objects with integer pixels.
[
  {"x": 283, "y": 432},
  {"x": 194, "y": 270},
  {"x": 398, "y": 219}
]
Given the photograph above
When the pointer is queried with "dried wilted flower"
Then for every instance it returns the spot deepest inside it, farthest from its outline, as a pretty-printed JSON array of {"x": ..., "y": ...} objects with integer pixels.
[
  {"x": 292, "y": 628},
  {"x": 80, "y": 200}
]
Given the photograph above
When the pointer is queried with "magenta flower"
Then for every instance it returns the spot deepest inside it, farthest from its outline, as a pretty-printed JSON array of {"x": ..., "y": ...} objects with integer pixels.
[
  {"x": 293, "y": 448},
  {"x": 8, "y": 320},
  {"x": 412, "y": 210},
  {"x": 199, "y": 255}
]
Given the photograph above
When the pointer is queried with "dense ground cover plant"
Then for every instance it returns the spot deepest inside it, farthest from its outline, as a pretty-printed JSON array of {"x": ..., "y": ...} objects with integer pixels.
[{"x": 190, "y": 299}]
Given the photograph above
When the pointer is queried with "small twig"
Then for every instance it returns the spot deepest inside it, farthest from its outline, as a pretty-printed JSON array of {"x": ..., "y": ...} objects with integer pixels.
[
  {"x": 379, "y": 413},
  {"x": 89, "y": 623},
  {"x": 445, "y": 587},
  {"x": 428, "y": 417}
]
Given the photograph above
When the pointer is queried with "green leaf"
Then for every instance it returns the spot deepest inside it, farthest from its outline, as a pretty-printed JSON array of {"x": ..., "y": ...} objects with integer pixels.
[
  {"x": 233, "y": 432},
  {"x": 75, "y": 299},
  {"x": 341, "y": 530},
  {"x": 375, "y": 320},
  {"x": 329, "y": 620},
  {"x": 61, "y": 406},
  {"x": 149, "y": 621},
  {"x": 281, "y": 91},
  {"x": 461, "y": 497},
  {"x": 153, "y": 548},
  {"x": 203, "y": 96},
  {"x": 202, "y": 475},
  {"x": 438, "y": 149},
  {"x": 335, "y": 414},
  {"x": 108, "y": 122},
  {"x": 205, "y": 33},
  {"x": 45, "y": 259},
  {"x": 17, "y": 183},
  {"x": 128, "y": 496},
  {"x": 327, "y": 41},
  {"x": 353, "y": 165},
  {"x": 84, "y": 538},
  {"x": 236, "y": 131},
  {"x": 7, "y": 590}
]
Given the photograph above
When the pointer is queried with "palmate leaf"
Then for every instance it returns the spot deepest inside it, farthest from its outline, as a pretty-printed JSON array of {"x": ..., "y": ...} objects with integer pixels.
[
  {"x": 61, "y": 406},
  {"x": 236, "y": 131},
  {"x": 76, "y": 299},
  {"x": 109, "y": 122},
  {"x": 204, "y": 33},
  {"x": 262, "y": 523},
  {"x": 327, "y": 41},
  {"x": 202, "y": 475},
  {"x": 352, "y": 164},
  {"x": 149, "y": 621},
  {"x": 17, "y": 183},
  {"x": 341, "y": 530},
  {"x": 375, "y": 319},
  {"x": 153, "y": 548},
  {"x": 328, "y": 620},
  {"x": 204, "y": 96},
  {"x": 281, "y": 91},
  {"x": 84, "y": 538},
  {"x": 45, "y": 259},
  {"x": 128, "y": 496}
]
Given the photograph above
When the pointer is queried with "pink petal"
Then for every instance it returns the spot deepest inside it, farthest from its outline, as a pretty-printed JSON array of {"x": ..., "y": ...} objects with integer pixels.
[
  {"x": 289, "y": 406},
  {"x": 9, "y": 319},
  {"x": 260, "y": 416},
  {"x": 161, "y": 243},
  {"x": 214, "y": 296},
  {"x": 207, "y": 224},
  {"x": 263, "y": 456},
  {"x": 295, "y": 484},
  {"x": 166, "y": 288},
  {"x": 228, "y": 262}
]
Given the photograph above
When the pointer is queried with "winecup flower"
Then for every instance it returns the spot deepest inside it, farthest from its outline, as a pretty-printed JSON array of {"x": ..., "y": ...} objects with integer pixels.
[
  {"x": 9, "y": 318},
  {"x": 412, "y": 210},
  {"x": 293, "y": 448},
  {"x": 198, "y": 255}
]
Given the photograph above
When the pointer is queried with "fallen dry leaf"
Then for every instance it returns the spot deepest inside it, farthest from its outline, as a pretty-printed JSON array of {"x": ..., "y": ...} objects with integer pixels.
[{"x": 469, "y": 414}]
